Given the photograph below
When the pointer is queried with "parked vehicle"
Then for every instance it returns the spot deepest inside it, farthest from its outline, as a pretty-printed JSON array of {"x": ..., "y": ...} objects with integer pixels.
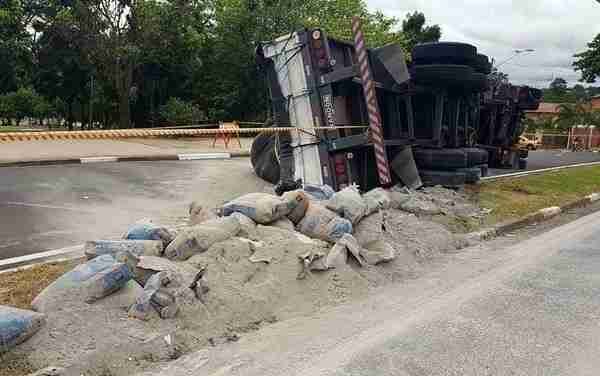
[
  {"x": 442, "y": 106},
  {"x": 529, "y": 144}
]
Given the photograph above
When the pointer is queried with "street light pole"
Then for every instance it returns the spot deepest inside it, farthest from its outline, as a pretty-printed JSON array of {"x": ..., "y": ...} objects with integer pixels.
[{"x": 516, "y": 53}]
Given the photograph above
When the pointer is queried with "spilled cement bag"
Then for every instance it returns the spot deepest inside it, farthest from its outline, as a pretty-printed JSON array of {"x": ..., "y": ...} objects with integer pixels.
[
  {"x": 377, "y": 199},
  {"x": 302, "y": 201},
  {"x": 262, "y": 208},
  {"x": 93, "y": 249},
  {"x": 319, "y": 192},
  {"x": 17, "y": 326},
  {"x": 349, "y": 204},
  {"x": 199, "y": 238},
  {"x": 146, "y": 230},
  {"x": 107, "y": 281},
  {"x": 322, "y": 223}
]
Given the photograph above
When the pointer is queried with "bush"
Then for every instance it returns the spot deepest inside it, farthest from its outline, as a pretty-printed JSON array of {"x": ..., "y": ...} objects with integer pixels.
[{"x": 180, "y": 112}]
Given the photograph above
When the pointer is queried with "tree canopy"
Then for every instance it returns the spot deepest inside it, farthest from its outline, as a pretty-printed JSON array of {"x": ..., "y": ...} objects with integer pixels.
[
  {"x": 588, "y": 62},
  {"x": 146, "y": 62}
]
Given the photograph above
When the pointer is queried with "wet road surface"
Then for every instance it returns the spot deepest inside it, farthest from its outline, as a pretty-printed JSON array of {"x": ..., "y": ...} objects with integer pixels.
[
  {"x": 541, "y": 159},
  {"x": 49, "y": 207}
]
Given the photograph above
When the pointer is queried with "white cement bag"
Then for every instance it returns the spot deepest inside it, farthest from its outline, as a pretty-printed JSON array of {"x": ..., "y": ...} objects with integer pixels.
[
  {"x": 349, "y": 204},
  {"x": 262, "y": 208}
]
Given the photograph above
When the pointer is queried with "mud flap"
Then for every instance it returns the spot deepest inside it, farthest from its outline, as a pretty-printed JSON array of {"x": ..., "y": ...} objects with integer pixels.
[{"x": 405, "y": 168}]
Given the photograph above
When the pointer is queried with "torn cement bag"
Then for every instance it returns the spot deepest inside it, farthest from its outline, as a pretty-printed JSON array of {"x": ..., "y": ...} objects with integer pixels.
[
  {"x": 322, "y": 223},
  {"x": 146, "y": 230},
  {"x": 262, "y": 208},
  {"x": 93, "y": 249},
  {"x": 370, "y": 229},
  {"x": 143, "y": 308},
  {"x": 199, "y": 238},
  {"x": 378, "y": 252},
  {"x": 199, "y": 213},
  {"x": 349, "y": 204},
  {"x": 284, "y": 224},
  {"x": 377, "y": 199},
  {"x": 107, "y": 281},
  {"x": 17, "y": 326},
  {"x": 319, "y": 192},
  {"x": 299, "y": 210}
]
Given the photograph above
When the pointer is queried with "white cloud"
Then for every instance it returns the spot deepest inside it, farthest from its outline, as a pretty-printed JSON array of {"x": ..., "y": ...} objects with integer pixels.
[{"x": 556, "y": 29}]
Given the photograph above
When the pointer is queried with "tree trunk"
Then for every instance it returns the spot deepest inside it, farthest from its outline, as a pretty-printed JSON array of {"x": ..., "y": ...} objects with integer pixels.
[
  {"x": 124, "y": 110},
  {"x": 70, "y": 114}
]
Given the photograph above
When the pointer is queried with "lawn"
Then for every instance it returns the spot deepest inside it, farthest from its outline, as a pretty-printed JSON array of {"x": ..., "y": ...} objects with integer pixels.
[{"x": 517, "y": 197}]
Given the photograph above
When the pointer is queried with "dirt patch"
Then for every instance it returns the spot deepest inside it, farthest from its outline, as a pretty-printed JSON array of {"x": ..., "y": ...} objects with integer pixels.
[{"x": 18, "y": 288}]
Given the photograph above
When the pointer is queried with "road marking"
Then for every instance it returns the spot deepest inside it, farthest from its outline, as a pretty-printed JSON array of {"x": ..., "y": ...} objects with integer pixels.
[
  {"x": 200, "y": 156},
  {"x": 28, "y": 259},
  {"x": 14, "y": 203},
  {"x": 98, "y": 159},
  {"x": 526, "y": 173}
]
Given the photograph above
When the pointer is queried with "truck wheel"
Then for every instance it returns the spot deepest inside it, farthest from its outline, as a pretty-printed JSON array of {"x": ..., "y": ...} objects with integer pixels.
[
  {"x": 442, "y": 159},
  {"x": 477, "y": 83},
  {"x": 482, "y": 64},
  {"x": 522, "y": 164},
  {"x": 472, "y": 174},
  {"x": 263, "y": 157},
  {"x": 444, "y": 53},
  {"x": 442, "y": 75},
  {"x": 476, "y": 156},
  {"x": 485, "y": 171},
  {"x": 445, "y": 178}
]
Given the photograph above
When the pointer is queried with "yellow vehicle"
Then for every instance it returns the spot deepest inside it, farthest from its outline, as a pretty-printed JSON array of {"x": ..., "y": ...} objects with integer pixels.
[{"x": 529, "y": 144}]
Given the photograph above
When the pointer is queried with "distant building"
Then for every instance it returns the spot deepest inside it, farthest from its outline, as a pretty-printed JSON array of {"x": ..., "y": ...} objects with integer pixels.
[
  {"x": 546, "y": 111},
  {"x": 595, "y": 102}
]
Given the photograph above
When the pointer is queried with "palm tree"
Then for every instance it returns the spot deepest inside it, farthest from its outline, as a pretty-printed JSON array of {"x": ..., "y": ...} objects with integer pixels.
[{"x": 571, "y": 114}]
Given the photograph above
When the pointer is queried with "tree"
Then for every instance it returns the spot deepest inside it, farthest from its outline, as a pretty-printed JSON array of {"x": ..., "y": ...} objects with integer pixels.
[
  {"x": 558, "y": 86},
  {"x": 15, "y": 46},
  {"x": 180, "y": 112},
  {"x": 415, "y": 31},
  {"x": 588, "y": 62}
]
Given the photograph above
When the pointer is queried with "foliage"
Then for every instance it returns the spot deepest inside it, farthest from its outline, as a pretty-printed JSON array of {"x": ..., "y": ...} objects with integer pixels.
[
  {"x": 24, "y": 103},
  {"x": 140, "y": 54},
  {"x": 578, "y": 113},
  {"x": 180, "y": 112},
  {"x": 415, "y": 31},
  {"x": 558, "y": 86},
  {"x": 588, "y": 62}
]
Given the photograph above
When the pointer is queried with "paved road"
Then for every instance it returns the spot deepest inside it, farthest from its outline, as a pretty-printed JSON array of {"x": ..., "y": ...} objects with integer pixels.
[
  {"x": 49, "y": 207},
  {"x": 527, "y": 309},
  {"x": 553, "y": 158}
]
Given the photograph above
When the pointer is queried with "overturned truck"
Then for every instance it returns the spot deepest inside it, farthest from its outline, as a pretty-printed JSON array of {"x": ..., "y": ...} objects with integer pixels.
[{"x": 443, "y": 122}]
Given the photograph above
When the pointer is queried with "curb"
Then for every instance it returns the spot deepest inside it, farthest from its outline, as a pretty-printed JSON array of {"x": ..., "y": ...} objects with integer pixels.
[
  {"x": 135, "y": 158},
  {"x": 62, "y": 254},
  {"x": 538, "y": 216}
]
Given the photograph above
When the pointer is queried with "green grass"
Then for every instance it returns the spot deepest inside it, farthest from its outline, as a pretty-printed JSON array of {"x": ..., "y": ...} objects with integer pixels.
[
  {"x": 10, "y": 128},
  {"x": 515, "y": 198}
]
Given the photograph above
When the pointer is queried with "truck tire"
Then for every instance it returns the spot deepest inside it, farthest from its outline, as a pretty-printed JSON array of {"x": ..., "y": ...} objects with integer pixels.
[
  {"x": 440, "y": 159},
  {"x": 444, "y": 178},
  {"x": 477, "y": 83},
  {"x": 476, "y": 156},
  {"x": 442, "y": 75},
  {"x": 482, "y": 64},
  {"x": 472, "y": 174},
  {"x": 263, "y": 157},
  {"x": 522, "y": 164},
  {"x": 444, "y": 53},
  {"x": 485, "y": 171}
]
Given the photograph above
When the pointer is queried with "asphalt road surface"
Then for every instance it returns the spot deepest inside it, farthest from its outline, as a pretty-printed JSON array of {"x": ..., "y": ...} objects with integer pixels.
[
  {"x": 530, "y": 308},
  {"x": 541, "y": 159},
  {"x": 49, "y": 207}
]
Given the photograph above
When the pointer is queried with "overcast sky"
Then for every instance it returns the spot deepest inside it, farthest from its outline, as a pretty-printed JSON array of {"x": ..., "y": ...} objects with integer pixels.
[{"x": 556, "y": 29}]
